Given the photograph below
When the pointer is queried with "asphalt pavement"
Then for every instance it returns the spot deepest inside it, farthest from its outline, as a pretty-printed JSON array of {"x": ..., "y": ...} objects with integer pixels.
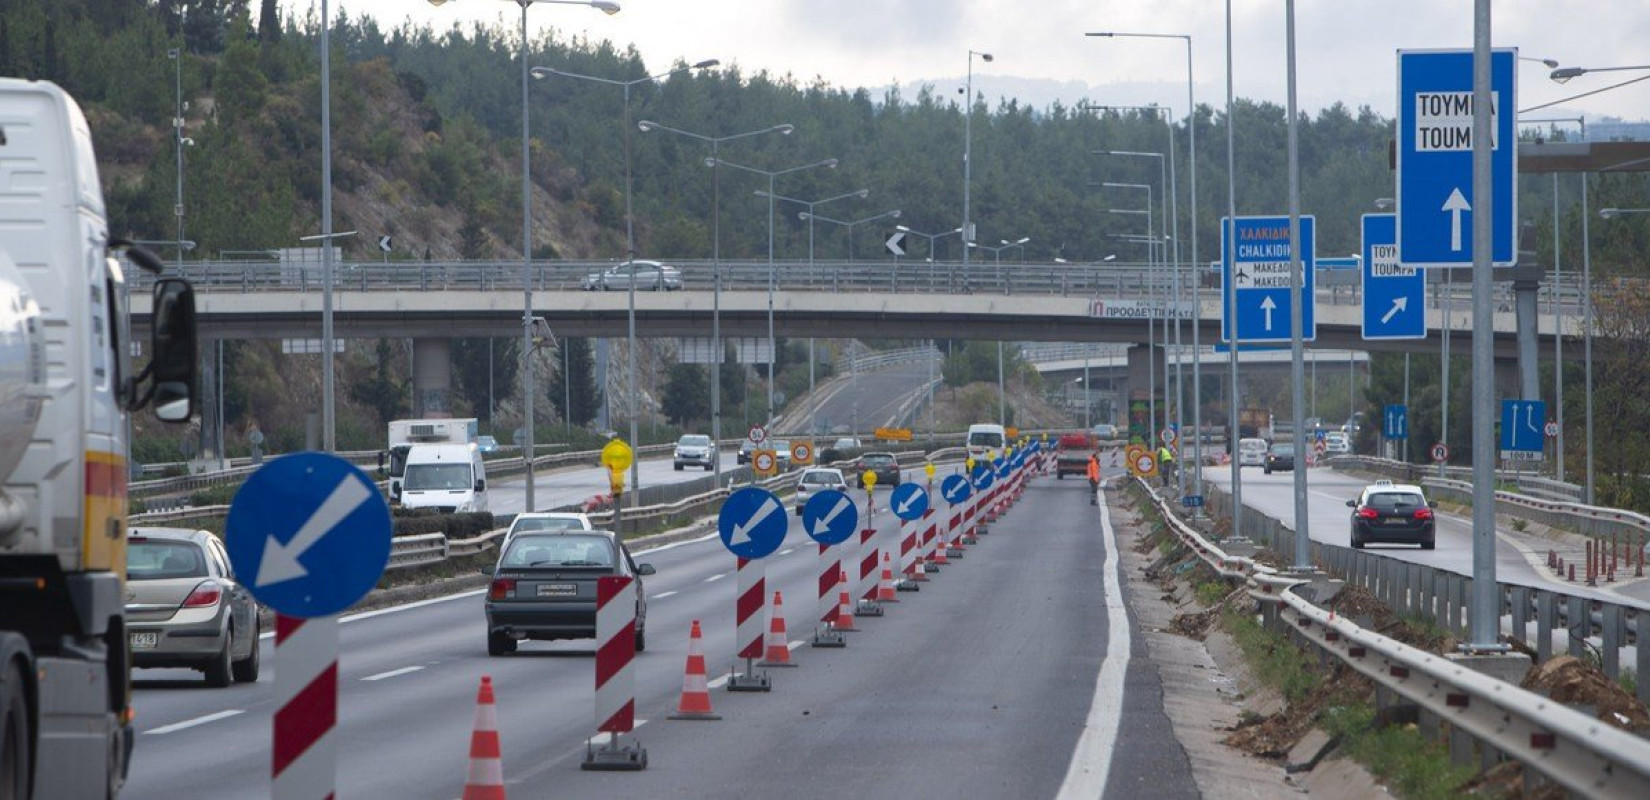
[
  {"x": 567, "y": 485},
  {"x": 870, "y": 400},
  {"x": 979, "y": 685}
]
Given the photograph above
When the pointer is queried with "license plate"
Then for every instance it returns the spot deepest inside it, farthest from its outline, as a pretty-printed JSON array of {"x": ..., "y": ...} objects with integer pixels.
[
  {"x": 1396, "y": 521},
  {"x": 558, "y": 589},
  {"x": 145, "y": 641}
]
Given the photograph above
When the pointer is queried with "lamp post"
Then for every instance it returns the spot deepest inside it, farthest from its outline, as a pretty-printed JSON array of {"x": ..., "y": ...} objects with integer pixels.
[
  {"x": 714, "y": 162},
  {"x": 1020, "y": 244},
  {"x": 1152, "y": 242},
  {"x": 861, "y": 193},
  {"x": 968, "y": 156},
  {"x": 929, "y": 236},
  {"x": 849, "y": 224},
  {"x": 1557, "y": 297},
  {"x": 997, "y": 258},
  {"x": 1564, "y": 75},
  {"x": 540, "y": 73},
  {"x": 528, "y": 448},
  {"x": 773, "y": 351}
]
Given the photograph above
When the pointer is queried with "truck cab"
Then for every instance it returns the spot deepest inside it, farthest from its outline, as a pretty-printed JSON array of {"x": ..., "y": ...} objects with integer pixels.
[{"x": 985, "y": 439}]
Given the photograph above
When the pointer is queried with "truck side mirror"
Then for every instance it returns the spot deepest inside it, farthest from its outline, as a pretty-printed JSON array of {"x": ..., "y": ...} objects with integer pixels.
[
  {"x": 175, "y": 347},
  {"x": 481, "y": 485},
  {"x": 395, "y": 491}
]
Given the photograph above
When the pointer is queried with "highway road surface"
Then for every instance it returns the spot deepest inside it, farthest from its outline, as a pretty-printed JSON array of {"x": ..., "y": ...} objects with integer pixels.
[
  {"x": 869, "y": 400},
  {"x": 566, "y": 485},
  {"x": 981, "y": 685}
]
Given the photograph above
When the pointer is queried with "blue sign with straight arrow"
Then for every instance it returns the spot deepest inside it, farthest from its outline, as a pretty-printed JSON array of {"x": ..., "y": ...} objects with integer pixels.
[
  {"x": 954, "y": 489},
  {"x": 1395, "y": 295},
  {"x": 1397, "y": 422},
  {"x": 829, "y": 517},
  {"x": 1521, "y": 434},
  {"x": 752, "y": 523},
  {"x": 1258, "y": 265},
  {"x": 909, "y": 501}
]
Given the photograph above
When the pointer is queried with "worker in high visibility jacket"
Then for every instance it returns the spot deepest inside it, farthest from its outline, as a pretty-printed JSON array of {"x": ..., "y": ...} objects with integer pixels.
[{"x": 1094, "y": 474}]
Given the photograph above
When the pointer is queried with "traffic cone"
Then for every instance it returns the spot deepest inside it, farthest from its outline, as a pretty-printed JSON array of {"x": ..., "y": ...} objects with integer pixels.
[
  {"x": 845, "y": 606},
  {"x": 885, "y": 587},
  {"x": 939, "y": 557},
  {"x": 695, "y": 703},
  {"x": 779, "y": 644},
  {"x": 919, "y": 573},
  {"x": 485, "y": 780}
]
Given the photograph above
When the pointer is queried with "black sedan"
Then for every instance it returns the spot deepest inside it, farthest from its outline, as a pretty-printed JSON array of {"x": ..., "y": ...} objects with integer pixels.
[
  {"x": 544, "y": 587},
  {"x": 1388, "y": 512},
  {"x": 1280, "y": 457},
  {"x": 885, "y": 465}
]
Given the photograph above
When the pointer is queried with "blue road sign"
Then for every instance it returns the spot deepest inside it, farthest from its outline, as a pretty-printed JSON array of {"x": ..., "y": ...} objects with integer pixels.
[
  {"x": 1320, "y": 435},
  {"x": 983, "y": 477},
  {"x": 1521, "y": 435},
  {"x": 954, "y": 489},
  {"x": 308, "y": 534},
  {"x": 1397, "y": 422},
  {"x": 1395, "y": 296},
  {"x": 1338, "y": 263},
  {"x": 1259, "y": 268},
  {"x": 1435, "y": 198},
  {"x": 1192, "y": 501},
  {"x": 909, "y": 501},
  {"x": 752, "y": 523},
  {"x": 829, "y": 517},
  {"x": 1004, "y": 469}
]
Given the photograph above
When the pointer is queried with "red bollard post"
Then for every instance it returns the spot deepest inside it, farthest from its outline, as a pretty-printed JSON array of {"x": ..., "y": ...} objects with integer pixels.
[
  {"x": 1639, "y": 572},
  {"x": 1592, "y": 563},
  {"x": 1572, "y": 573}
]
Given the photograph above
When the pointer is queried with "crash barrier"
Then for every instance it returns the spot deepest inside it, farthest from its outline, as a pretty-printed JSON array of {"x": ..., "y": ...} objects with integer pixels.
[{"x": 1566, "y": 746}]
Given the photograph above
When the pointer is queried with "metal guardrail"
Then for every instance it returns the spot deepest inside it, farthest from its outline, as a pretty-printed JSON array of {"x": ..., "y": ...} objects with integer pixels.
[
  {"x": 873, "y": 360},
  {"x": 1579, "y": 517},
  {"x": 1563, "y": 744}
]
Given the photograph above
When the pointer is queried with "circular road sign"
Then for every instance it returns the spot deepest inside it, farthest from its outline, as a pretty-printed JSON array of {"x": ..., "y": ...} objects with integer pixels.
[
  {"x": 758, "y": 434},
  {"x": 954, "y": 489},
  {"x": 1145, "y": 465},
  {"x": 802, "y": 453},
  {"x": 1440, "y": 452},
  {"x": 1169, "y": 435},
  {"x": 1551, "y": 429},
  {"x": 752, "y": 523},
  {"x": 308, "y": 534},
  {"x": 829, "y": 517},
  {"x": 763, "y": 461}
]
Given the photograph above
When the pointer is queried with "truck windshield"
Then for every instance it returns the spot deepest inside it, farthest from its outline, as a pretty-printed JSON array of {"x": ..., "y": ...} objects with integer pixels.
[
  {"x": 437, "y": 476},
  {"x": 985, "y": 439}
]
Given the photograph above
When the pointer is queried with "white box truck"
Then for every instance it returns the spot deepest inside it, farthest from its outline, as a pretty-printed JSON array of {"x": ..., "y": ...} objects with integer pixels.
[{"x": 404, "y": 433}]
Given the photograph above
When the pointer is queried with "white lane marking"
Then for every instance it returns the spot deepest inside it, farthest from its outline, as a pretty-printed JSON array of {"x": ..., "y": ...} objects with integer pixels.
[
  {"x": 787, "y": 551},
  {"x": 719, "y": 681},
  {"x": 662, "y": 595},
  {"x": 601, "y": 738},
  {"x": 1091, "y": 759},
  {"x": 796, "y": 644},
  {"x": 391, "y": 674},
  {"x": 190, "y": 723},
  {"x": 394, "y": 609},
  {"x": 714, "y": 578}
]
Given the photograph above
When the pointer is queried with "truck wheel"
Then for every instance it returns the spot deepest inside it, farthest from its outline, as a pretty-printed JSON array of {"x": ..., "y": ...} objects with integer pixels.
[
  {"x": 246, "y": 670},
  {"x": 14, "y": 735},
  {"x": 220, "y": 670}
]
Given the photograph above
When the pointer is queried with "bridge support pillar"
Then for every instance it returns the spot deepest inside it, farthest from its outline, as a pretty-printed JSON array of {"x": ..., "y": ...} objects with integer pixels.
[
  {"x": 1524, "y": 296},
  {"x": 432, "y": 361}
]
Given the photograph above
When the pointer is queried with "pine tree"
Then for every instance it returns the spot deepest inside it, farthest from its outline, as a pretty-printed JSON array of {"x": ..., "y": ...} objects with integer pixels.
[{"x": 269, "y": 23}]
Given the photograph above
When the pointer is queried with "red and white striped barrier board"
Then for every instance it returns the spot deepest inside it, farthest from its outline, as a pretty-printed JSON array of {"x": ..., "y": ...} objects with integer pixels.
[
  {"x": 830, "y": 573},
  {"x": 615, "y": 676},
  {"x": 908, "y": 547},
  {"x": 305, "y": 762},
  {"x": 870, "y": 559},
  {"x": 750, "y": 625}
]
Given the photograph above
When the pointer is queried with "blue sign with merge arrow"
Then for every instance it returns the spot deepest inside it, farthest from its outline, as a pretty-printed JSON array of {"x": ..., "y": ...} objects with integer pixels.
[
  {"x": 1395, "y": 296},
  {"x": 1397, "y": 422},
  {"x": 954, "y": 489},
  {"x": 1258, "y": 266},
  {"x": 1435, "y": 198},
  {"x": 308, "y": 534},
  {"x": 752, "y": 523},
  {"x": 909, "y": 501},
  {"x": 1521, "y": 435},
  {"x": 829, "y": 517}
]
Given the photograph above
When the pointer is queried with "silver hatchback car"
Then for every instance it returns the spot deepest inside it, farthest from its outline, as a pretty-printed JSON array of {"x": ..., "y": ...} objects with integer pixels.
[{"x": 184, "y": 607}]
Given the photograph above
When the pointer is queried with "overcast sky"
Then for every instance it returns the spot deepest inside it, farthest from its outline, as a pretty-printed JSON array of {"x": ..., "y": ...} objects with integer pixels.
[{"x": 1346, "y": 47}]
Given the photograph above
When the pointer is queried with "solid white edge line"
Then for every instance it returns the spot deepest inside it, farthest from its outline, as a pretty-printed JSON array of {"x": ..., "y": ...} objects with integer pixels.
[
  {"x": 1091, "y": 759},
  {"x": 190, "y": 723},
  {"x": 392, "y": 673}
]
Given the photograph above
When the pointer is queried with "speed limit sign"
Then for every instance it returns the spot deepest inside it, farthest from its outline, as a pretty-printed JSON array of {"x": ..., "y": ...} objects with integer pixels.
[
  {"x": 758, "y": 434},
  {"x": 764, "y": 463},
  {"x": 1551, "y": 429},
  {"x": 802, "y": 453},
  {"x": 1440, "y": 452}
]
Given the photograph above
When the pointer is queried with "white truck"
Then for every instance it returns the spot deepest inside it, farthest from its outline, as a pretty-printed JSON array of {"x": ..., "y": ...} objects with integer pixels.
[
  {"x": 66, "y": 387},
  {"x": 450, "y": 478},
  {"x": 404, "y": 433}
]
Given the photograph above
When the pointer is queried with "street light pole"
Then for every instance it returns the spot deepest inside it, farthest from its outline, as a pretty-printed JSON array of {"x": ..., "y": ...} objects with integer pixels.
[{"x": 1151, "y": 318}]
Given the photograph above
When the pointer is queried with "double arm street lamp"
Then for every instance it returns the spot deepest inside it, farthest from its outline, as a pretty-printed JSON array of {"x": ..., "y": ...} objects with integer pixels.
[
  {"x": 968, "y": 156},
  {"x": 773, "y": 347},
  {"x": 849, "y": 224},
  {"x": 860, "y": 193},
  {"x": 929, "y": 236},
  {"x": 1152, "y": 241},
  {"x": 715, "y": 162},
  {"x": 629, "y": 234},
  {"x": 997, "y": 258},
  {"x": 527, "y": 386}
]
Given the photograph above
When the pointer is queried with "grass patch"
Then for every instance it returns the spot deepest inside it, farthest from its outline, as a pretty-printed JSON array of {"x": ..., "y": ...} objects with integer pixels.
[
  {"x": 1212, "y": 592},
  {"x": 1277, "y": 662},
  {"x": 1413, "y": 767}
]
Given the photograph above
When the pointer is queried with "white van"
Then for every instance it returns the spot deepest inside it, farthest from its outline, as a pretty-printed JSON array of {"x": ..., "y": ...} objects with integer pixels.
[
  {"x": 1251, "y": 453},
  {"x": 984, "y": 439},
  {"x": 448, "y": 477}
]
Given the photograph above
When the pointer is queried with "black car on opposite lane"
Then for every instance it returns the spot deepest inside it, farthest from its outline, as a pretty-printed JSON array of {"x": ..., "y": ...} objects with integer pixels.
[
  {"x": 884, "y": 465},
  {"x": 1279, "y": 457},
  {"x": 544, "y": 587},
  {"x": 1389, "y": 512}
]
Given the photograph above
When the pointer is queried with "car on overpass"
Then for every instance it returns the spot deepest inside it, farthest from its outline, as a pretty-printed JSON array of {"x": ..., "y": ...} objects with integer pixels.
[
  {"x": 1393, "y": 512},
  {"x": 544, "y": 587},
  {"x": 648, "y": 276}
]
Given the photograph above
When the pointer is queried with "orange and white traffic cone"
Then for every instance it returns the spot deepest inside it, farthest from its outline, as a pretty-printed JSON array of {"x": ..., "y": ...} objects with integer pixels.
[
  {"x": 695, "y": 703},
  {"x": 885, "y": 587},
  {"x": 485, "y": 780},
  {"x": 779, "y": 643},
  {"x": 844, "y": 606}
]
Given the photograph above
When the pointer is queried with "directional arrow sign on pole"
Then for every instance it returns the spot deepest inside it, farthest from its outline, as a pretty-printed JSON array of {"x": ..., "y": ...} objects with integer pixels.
[
  {"x": 1258, "y": 266},
  {"x": 384, "y": 243},
  {"x": 829, "y": 517},
  {"x": 909, "y": 501},
  {"x": 1397, "y": 422},
  {"x": 308, "y": 534},
  {"x": 1522, "y": 435},
  {"x": 954, "y": 489},
  {"x": 752, "y": 523},
  {"x": 896, "y": 243},
  {"x": 1395, "y": 296},
  {"x": 1435, "y": 202}
]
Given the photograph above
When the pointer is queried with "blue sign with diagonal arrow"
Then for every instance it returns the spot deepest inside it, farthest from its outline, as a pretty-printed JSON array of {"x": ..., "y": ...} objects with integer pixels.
[
  {"x": 1395, "y": 295},
  {"x": 829, "y": 517},
  {"x": 752, "y": 523},
  {"x": 909, "y": 501},
  {"x": 954, "y": 489},
  {"x": 1258, "y": 265},
  {"x": 983, "y": 477}
]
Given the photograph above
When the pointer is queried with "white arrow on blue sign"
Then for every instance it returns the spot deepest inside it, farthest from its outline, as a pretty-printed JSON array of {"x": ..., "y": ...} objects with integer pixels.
[
  {"x": 1521, "y": 429},
  {"x": 1259, "y": 266},
  {"x": 829, "y": 517},
  {"x": 1435, "y": 197},
  {"x": 909, "y": 501},
  {"x": 752, "y": 523},
  {"x": 308, "y": 534},
  {"x": 954, "y": 489},
  {"x": 1397, "y": 422},
  {"x": 983, "y": 477},
  {"x": 1395, "y": 295}
]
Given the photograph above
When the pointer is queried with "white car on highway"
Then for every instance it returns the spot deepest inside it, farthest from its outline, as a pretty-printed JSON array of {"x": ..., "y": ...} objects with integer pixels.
[
  {"x": 815, "y": 480},
  {"x": 548, "y": 521},
  {"x": 1251, "y": 453}
]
